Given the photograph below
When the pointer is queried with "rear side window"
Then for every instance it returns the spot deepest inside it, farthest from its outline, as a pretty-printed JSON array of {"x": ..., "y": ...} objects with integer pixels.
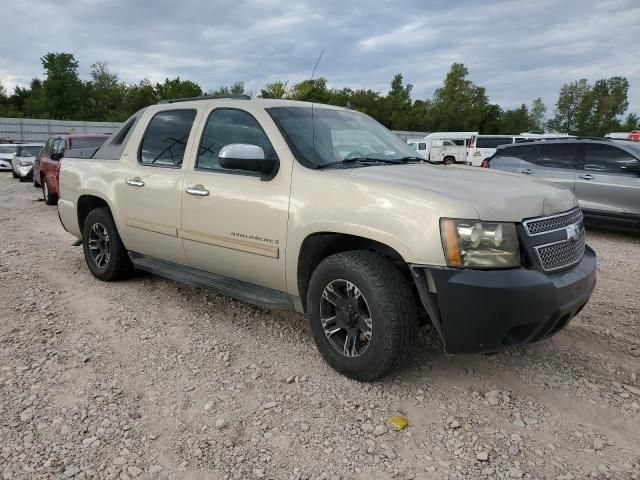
[
  {"x": 606, "y": 159},
  {"x": 224, "y": 127},
  {"x": 492, "y": 142},
  {"x": 422, "y": 146},
  {"x": 557, "y": 155},
  {"x": 523, "y": 152},
  {"x": 165, "y": 139}
]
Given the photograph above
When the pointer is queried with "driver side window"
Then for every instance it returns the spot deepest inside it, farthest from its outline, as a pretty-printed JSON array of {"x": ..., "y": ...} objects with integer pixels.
[{"x": 226, "y": 126}]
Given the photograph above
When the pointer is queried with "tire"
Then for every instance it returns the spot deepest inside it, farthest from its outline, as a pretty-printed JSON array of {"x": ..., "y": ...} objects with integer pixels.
[
  {"x": 22, "y": 179},
  {"x": 49, "y": 198},
  {"x": 449, "y": 161},
  {"x": 390, "y": 303},
  {"x": 36, "y": 184},
  {"x": 13, "y": 172},
  {"x": 115, "y": 263}
]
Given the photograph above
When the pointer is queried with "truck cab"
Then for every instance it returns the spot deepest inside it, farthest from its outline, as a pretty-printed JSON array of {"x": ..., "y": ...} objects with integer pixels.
[{"x": 322, "y": 210}]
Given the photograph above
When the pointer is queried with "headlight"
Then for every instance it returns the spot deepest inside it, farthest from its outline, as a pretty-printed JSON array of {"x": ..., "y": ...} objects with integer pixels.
[
  {"x": 476, "y": 244},
  {"x": 26, "y": 163}
]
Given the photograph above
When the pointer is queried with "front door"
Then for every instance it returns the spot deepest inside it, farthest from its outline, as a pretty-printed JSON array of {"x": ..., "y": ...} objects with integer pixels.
[
  {"x": 234, "y": 223},
  {"x": 153, "y": 183},
  {"x": 606, "y": 184}
]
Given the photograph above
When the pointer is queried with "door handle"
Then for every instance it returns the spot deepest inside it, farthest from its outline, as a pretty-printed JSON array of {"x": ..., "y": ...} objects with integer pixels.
[
  {"x": 588, "y": 176},
  {"x": 197, "y": 190},
  {"x": 135, "y": 182},
  {"x": 528, "y": 171}
]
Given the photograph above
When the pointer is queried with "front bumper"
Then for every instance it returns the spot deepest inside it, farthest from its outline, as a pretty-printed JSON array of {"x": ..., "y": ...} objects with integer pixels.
[
  {"x": 478, "y": 311},
  {"x": 25, "y": 172},
  {"x": 5, "y": 164}
]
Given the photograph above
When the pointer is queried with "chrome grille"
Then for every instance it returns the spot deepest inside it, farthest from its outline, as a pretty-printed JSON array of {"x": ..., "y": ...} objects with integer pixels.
[
  {"x": 562, "y": 254},
  {"x": 538, "y": 226}
]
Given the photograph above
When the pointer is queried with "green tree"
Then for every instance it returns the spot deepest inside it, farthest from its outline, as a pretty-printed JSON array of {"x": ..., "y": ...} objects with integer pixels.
[
  {"x": 516, "y": 121},
  {"x": 536, "y": 115},
  {"x": 632, "y": 122},
  {"x": 63, "y": 93},
  {"x": 177, "y": 88},
  {"x": 460, "y": 104},
  {"x": 312, "y": 91},
  {"x": 105, "y": 99},
  {"x": 278, "y": 89},
  {"x": 236, "y": 89},
  {"x": 139, "y": 96},
  {"x": 570, "y": 105}
]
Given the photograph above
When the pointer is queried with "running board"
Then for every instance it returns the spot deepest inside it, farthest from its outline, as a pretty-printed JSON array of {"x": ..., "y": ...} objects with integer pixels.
[{"x": 229, "y": 287}]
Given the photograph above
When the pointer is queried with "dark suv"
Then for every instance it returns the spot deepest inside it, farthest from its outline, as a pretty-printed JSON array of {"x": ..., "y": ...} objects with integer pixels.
[{"x": 603, "y": 174}]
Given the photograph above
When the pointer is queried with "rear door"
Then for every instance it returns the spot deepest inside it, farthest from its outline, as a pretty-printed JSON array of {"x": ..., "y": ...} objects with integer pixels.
[
  {"x": 153, "y": 181},
  {"x": 605, "y": 183},
  {"x": 555, "y": 163}
]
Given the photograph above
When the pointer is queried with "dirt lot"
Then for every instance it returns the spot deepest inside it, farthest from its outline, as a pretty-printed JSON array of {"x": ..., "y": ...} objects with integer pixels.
[{"x": 148, "y": 378}]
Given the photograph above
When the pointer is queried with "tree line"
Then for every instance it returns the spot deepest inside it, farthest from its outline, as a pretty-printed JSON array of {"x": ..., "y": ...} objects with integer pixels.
[{"x": 458, "y": 105}]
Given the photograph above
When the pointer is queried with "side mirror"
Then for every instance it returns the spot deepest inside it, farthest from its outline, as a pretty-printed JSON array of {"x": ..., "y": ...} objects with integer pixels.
[{"x": 242, "y": 156}]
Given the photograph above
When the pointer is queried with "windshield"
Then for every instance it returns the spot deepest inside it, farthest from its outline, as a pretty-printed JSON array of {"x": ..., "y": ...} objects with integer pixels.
[
  {"x": 29, "y": 151},
  {"x": 7, "y": 149},
  {"x": 87, "y": 142},
  {"x": 336, "y": 135}
]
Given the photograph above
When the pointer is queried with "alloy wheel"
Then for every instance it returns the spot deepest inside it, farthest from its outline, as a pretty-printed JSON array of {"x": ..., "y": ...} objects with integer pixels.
[
  {"x": 346, "y": 318},
  {"x": 99, "y": 245}
]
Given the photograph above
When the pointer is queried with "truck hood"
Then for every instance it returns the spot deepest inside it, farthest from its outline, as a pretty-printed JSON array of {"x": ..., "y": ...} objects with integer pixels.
[{"x": 499, "y": 196}]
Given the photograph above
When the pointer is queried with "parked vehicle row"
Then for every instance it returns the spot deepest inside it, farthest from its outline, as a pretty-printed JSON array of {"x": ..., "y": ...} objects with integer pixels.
[
  {"x": 41, "y": 163},
  {"x": 603, "y": 174},
  {"x": 322, "y": 210}
]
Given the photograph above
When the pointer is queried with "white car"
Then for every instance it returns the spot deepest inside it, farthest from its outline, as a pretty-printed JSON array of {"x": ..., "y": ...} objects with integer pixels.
[
  {"x": 22, "y": 162},
  {"x": 6, "y": 155}
]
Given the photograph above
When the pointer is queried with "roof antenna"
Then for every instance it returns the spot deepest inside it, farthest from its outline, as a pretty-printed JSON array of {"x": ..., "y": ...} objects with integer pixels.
[{"x": 313, "y": 128}]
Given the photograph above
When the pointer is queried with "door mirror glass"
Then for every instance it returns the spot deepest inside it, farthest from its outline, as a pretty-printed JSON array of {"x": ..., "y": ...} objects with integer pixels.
[{"x": 243, "y": 156}]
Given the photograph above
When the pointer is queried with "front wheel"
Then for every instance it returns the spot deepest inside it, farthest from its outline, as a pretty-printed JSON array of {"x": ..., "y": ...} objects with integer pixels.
[
  {"x": 49, "y": 198},
  {"x": 449, "y": 161},
  {"x": 363, "y": 314},
  {"x": 104, "y": 252}
]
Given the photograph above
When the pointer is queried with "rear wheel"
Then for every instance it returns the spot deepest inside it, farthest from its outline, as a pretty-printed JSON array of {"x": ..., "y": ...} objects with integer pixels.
[
  {"x": 449, "y": 161},
  {"x": 104, "y": 252},
  {"x": 363, "y": 314},
  {"x": 49, "y": 198}
]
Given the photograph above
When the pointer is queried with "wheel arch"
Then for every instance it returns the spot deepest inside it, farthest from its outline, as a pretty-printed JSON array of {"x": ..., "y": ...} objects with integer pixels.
[
  {"x": 88, "y": 202},
  {"x": 320, "y": 245}
]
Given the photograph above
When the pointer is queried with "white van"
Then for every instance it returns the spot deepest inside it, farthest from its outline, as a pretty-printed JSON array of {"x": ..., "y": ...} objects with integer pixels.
[
  {"x": 420, "y": 146},
  {"x": 481, "y": 147},
  {"x": 448, "y": 147}
]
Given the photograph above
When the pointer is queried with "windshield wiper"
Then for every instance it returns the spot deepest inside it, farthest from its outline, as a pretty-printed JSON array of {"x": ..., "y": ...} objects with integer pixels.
[{"x": 362, "y": 161}]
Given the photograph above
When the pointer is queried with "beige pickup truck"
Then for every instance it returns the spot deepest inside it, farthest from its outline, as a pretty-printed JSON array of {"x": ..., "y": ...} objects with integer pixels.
[{"x": 320, "y": 209}]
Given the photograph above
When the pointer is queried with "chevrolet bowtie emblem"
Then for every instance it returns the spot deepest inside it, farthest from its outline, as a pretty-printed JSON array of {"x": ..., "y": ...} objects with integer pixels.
[{"x": 572, "y": 232}]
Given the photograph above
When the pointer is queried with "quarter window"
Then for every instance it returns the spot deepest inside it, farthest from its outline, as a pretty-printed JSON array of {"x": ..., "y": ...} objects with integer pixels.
[
  {"x": 422, "y": 146},
  {"x": 227, "y": 126},
  {"x": 557, "y": 155},
  {"x": 606, "y": 159},
  {"x": 165, "y": 140}
]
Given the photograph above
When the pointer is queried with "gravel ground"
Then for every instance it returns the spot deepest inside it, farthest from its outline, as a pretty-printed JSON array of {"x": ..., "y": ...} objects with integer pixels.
[{"x": 148, "y": 378}]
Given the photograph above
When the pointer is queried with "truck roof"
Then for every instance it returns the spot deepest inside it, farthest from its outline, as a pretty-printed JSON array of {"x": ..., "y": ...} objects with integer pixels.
[{"x": 240, "y": 99}]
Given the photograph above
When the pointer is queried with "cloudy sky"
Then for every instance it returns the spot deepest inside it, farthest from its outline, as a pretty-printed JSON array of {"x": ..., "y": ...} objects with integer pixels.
[{"x": 517, "y": 50}]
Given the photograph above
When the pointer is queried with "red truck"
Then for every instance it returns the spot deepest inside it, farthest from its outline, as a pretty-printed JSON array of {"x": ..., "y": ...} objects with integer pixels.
[{"x": 47, "y": 165}]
